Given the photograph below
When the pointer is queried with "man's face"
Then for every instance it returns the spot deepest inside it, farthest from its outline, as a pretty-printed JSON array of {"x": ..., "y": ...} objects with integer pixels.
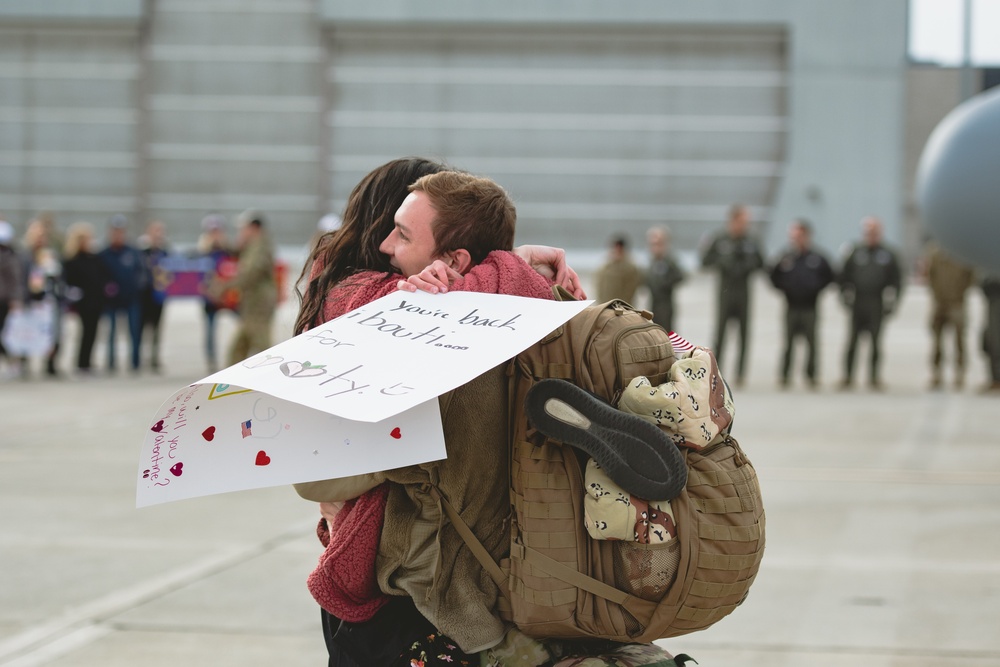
[
  {"x": 411, "y": 246},
  {"x": 739, "y": 222},
  {"x": 156, "y": 234},
  {"x": 872, "y": 231},
  {"x": 657, "y": 243},
  {"x": 798, "y": 236}
]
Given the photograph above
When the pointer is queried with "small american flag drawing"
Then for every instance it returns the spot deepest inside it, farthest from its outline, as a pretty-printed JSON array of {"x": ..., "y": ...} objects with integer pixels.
[
  {"x": 679, "y": 344},
  {"x": 245, "y": 427}
]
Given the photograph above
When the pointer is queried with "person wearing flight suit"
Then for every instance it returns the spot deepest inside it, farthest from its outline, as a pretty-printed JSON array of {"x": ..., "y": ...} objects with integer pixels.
[
  {"x": 948, "y": 280},
  {"x": 871, "y": 286},
  {"x": 662, "y": 276},
  {"x": 801, "y": 274},
  {"x": 735, "y": 255}
]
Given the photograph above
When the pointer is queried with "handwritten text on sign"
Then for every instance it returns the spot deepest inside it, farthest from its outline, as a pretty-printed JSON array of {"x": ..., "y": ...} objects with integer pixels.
[
  {"x": 355, "y": 395},
  {"x": 398, "y": 351}
]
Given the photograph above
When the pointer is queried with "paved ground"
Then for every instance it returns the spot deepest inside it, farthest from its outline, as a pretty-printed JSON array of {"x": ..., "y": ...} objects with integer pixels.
[{"x": 883, "y": 521}]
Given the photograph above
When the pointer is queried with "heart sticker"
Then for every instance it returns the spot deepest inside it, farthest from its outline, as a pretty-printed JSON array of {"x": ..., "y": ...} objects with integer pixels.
[
  {"x": 209, "y": 433},
  {"x": 396, "y": 433},
  {"x": 262, "y": 458},
  {"x": 157, "y": 427},
  {"x": 177, "y": 469}
]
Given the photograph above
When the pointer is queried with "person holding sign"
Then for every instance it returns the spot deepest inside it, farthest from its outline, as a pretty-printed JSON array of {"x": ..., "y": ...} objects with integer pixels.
[{"x": 425, "y": 581}]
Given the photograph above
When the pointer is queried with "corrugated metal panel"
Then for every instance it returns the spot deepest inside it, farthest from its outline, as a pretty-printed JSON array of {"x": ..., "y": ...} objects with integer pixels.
[
  {"x": 234, "y": 114},
  {"x": 592, "y": 131},
  {"x": 68, "y": 120}
]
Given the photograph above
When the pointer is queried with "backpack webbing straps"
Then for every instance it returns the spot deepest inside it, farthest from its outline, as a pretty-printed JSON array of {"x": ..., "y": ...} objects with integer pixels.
[
  {"x": 554, "y": 568},
  {"x": 477, "y": 548}
]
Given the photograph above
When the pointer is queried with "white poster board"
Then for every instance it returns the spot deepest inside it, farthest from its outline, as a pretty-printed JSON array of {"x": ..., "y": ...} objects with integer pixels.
[{"x": 355, "y": 395}]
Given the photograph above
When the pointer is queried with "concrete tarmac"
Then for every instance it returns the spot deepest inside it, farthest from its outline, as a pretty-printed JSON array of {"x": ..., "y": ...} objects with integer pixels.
[{"x": 883, "y": 516}]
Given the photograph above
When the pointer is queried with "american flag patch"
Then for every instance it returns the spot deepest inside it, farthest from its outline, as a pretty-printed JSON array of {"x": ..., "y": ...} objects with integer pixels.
[
  {"x": 679, "y": 344},
  {"x": 245, "y": 427}
]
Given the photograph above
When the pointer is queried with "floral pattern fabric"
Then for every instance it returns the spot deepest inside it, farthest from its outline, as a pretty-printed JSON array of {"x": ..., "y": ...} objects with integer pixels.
[{"x": 519, "y": 650}]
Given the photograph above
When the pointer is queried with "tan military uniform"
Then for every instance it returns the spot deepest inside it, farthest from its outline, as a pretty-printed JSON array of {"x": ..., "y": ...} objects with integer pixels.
[
  {"x": 618, "y": 279},
  {"x": 948, "y": 280},
  {"x": 258, "y": 299}
]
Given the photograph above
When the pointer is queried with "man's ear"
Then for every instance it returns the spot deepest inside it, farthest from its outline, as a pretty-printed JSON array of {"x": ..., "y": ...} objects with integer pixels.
[{"x": 460, "y": 260}]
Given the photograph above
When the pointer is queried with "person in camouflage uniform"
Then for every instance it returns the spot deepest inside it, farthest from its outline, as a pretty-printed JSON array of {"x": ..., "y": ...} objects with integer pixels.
[
  {"x": 948, "y": 280},
  {"x": 871, "y": 286},
  {"x": 735, "y": 255},
  {"x": 258, "y": 290},
  {"x": 619, "y": 277}
]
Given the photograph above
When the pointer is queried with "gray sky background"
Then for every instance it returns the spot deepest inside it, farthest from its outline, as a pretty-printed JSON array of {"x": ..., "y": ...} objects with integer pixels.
[{"x": 936, "y": 31}]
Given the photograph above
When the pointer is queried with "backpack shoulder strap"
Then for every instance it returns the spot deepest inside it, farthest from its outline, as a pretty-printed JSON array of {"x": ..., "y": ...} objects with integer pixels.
[{"x": 475, "y": 546}]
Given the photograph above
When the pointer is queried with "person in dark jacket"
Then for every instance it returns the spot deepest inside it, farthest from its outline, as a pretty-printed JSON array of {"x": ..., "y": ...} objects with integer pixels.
[
  {"x": 871, "y": 286},
  {"x": 662, "y": 276},
  {"x": 129, "y": 277},
  {"x": 990, "y": 285},
  {"x": 735, "y": 255},
  {"x": 10, "y": 289},
  {"x": 155, "y": 251},
  {"x": 86, "y": 277},
  {"x": 801, "y": 274}
]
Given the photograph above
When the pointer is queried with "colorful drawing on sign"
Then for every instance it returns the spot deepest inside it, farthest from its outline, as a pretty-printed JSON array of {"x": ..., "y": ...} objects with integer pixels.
[
  {"x": 224, "y": 390},
  {"x": 336, "y": 401},
  {"x": 194, "y": 453},
  {"x": 302, "y": 369}
]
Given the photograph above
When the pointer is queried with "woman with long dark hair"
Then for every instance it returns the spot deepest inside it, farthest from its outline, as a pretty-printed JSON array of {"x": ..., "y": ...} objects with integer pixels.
[{"x": 344, "y": 264}]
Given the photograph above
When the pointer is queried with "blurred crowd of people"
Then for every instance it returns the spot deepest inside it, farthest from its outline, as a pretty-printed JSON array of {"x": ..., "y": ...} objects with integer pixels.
[
  {"x": 869, "y": 280},
  {"x": 48, "y": 276}
]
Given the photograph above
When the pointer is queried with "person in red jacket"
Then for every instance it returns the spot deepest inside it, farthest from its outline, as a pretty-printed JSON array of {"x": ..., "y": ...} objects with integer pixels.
[{"x": 393, "y": 229}]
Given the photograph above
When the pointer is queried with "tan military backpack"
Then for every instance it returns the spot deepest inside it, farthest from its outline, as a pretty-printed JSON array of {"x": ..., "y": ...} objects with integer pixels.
[{"x": 559, "y": 582}]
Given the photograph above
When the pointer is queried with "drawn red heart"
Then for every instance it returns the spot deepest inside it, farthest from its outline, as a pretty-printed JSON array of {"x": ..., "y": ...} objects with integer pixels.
[
  {"x": 262, "y": 458},
  {"x": 177, "y": 469},
  {"x": 157, "y": 427},
  {"x": 396, "y": 433},
  {"x": 209, "y": 433}
]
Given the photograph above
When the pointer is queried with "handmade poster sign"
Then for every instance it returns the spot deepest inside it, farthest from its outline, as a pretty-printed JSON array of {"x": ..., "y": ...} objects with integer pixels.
[
  {"x": 398, "y": 351},
  {"x": 355, "y": 395}
]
